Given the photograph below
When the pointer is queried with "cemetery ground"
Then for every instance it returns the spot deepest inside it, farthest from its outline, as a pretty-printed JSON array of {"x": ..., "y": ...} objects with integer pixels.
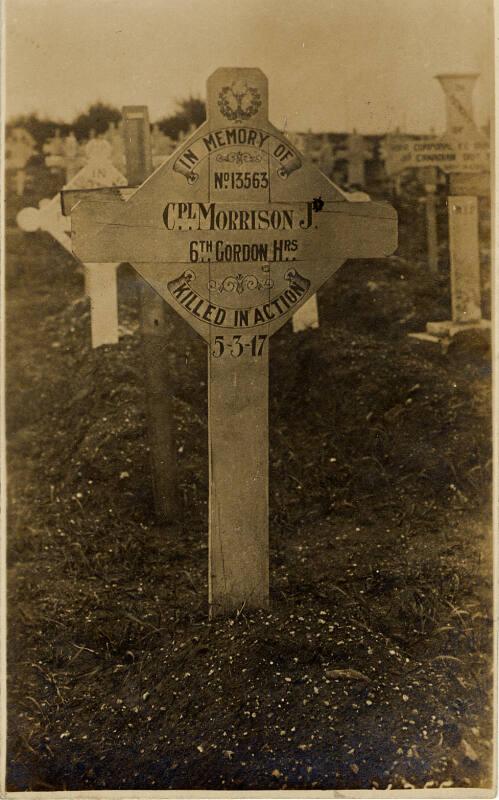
[{"x": 373, "y": 666}]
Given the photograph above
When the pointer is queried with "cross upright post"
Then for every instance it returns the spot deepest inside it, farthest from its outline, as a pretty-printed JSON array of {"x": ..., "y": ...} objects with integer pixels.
[
  {"x": 156, "y": 332},
  {"x": 428, "y": 176}
]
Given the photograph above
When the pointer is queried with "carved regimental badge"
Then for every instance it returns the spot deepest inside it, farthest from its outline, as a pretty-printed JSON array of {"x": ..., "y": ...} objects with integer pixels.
[{"x": 239, "y": 101}]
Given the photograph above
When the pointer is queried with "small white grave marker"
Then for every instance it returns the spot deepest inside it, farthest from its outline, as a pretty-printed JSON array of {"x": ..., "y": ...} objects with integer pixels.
[
  {"x": 465, "y": 267},
  {"x": 236, "y": 232},
  {"x": 54, "y": 148},
  {"x": 307, "y": 317},
  {"x": 465, "y": 270},
  {"x": 162, "y": 146},
  {"x": 19, "y": 148},
  {"x": 114, "y": 135},
  {"x": 358, "y": 152}
]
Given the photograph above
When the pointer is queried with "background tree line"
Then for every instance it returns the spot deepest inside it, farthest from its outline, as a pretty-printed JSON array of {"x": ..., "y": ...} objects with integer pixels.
[{"x": 100, "y": 115}]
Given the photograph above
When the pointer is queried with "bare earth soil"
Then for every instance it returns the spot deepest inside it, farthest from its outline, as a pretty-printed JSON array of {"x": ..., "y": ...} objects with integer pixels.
[{"x": 373, "y": 666}]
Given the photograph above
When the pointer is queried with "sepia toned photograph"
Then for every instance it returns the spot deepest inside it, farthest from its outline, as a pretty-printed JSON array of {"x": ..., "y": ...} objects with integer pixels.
[{"x": 248, "y": 332}]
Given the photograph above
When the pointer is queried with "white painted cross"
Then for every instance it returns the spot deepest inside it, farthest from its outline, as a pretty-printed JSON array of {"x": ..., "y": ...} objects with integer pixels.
[
  {"x": 19, "y": 148},
  {"x": 235, "y": 232},
  {"x": 100, "y": 280}
]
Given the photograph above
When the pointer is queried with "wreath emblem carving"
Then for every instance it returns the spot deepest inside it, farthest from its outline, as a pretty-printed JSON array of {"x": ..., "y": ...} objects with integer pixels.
[
  {"x": 239, "y": 101},
  {"x": 241, "y": 283}
]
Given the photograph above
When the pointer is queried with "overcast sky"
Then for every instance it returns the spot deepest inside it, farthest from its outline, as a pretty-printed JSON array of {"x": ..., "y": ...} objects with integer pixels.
[{"x": 331, "y": 64}]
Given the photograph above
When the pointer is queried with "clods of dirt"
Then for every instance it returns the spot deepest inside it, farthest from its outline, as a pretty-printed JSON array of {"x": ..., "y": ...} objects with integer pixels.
[{"x": 372, "y": 667}]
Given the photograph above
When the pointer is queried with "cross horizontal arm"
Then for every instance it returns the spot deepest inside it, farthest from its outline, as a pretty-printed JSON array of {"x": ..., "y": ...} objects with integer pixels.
[
  {"x": 70, "y": 197},
  {"x": 106, "y": 231}
]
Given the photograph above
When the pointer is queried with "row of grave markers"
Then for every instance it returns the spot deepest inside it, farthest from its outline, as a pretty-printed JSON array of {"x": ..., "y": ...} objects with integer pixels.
[
  {"x": 465, "y": 143},
  {"x": 464, "y": 153},
  {"x": 67, "y": 155}
]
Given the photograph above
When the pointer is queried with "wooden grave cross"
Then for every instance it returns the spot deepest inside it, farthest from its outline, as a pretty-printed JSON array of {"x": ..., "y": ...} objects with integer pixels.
[
  {"x": 154, "y": 321},
  {"x": 155, "y": 328},
  {"x": 235, "y": 231},
  {"x": 357, "y": 152},
  {"x": 463, "y": 132},
  {"x": 469, "y": 179},
  {"x": 101, "y": 279}
]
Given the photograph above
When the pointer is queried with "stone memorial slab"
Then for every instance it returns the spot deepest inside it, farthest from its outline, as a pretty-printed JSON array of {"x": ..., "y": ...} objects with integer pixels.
[{"x": 236, "y": 232}]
